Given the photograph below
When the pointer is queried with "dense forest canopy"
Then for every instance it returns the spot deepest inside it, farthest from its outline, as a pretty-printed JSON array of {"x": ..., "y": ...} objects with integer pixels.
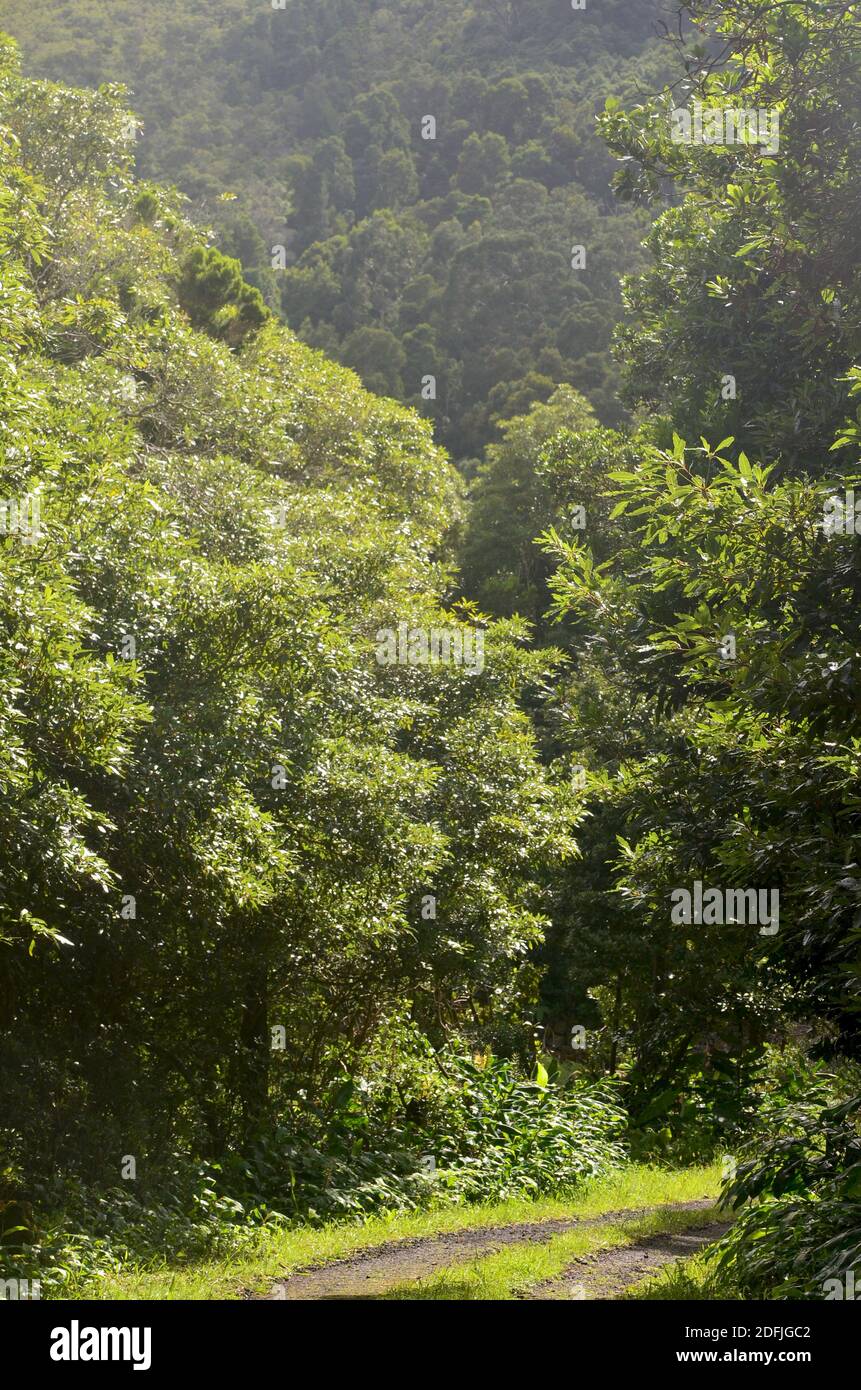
[
  {"x": 355, "y": 812},
  {"x": 223, "y": 531},
  {"x": 406, "y": 182}
]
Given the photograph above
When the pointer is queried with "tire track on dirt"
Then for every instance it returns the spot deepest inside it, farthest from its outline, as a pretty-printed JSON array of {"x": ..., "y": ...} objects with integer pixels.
[
  {"x": 369, "y": 1273},
  {"x": 608, "y": 1274}
]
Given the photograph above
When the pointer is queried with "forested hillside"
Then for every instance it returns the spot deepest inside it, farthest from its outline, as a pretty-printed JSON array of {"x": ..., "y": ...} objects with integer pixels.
[
  {"x": 420, "y": 174},
  {"x": 382, "y": 846},
  {"x": 200, "y": 741}
]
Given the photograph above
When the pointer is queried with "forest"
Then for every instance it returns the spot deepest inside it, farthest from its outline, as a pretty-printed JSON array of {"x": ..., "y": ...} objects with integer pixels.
[
  {"x": 411, "y": 226},
  {"x": 430, "y": 736}
]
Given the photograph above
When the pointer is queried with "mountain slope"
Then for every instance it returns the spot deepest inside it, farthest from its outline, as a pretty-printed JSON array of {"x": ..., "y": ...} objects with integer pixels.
[{"x": 405, "y": 256}]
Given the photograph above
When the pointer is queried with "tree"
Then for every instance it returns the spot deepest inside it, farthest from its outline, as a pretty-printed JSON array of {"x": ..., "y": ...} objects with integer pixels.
[
  {"x": 511, "y": 505},
  {"x": 223, "y": 813},
  {"x": 749, "y": 315},
  {"x": 484, "y": 160},
  {"x": 215, "y": 296},
  {"x": 379, "y": 359}
]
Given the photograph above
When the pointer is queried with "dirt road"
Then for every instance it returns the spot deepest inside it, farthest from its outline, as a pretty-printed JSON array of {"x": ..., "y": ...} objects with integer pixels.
[{"x": 604, "y": 1274}]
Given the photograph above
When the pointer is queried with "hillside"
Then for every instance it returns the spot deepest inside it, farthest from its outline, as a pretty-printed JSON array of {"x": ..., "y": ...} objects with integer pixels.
[{"x": 405, "y": 257}]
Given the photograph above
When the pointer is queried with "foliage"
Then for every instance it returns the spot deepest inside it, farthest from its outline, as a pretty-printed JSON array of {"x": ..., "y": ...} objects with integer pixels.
[
  {"x": 229, "y": 519},
  {"x": 728, "y": 788},
  {"x": 406, "y": 256},
  {"x": 799, "y": 1234},
  {"x": 81, "y": 1234},
  {"x": 490, "y": 1135},
  {"x": 496, "y": 1137},
  {"x": 215, "y": 297},
  {"x": 754, "y": 273},
  {"x": 510, "y": 1137},
  {"x": 222, "y": 815},
  {"x": 735, "y": 770}
]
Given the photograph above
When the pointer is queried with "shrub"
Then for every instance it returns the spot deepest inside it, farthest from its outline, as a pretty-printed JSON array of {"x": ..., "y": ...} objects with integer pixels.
[
  {"x": 803, "y": 1227},
  {"x": 510, "y": 1137}
]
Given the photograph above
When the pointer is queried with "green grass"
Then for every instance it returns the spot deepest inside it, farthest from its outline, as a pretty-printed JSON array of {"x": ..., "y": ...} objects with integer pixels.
[
  {"x": 691, "y": 1281},
  {"x": 513, "y": 1271},
  {"x": 278, "y": 1252}
]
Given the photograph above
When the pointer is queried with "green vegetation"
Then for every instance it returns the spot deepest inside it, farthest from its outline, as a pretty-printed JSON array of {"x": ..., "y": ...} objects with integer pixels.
[
  {"x": 312, "y": 934},
  {"x": 189, "y": 665},
  {"x": 800, "y": 1232},
  {"x": 715, "y": 640},
  {"x": 275, "y": 1250},
  {"x": 514, "y": 1272},
  {"x": 403, "y": 249},
  {"x": 688, "y": 1281}
]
